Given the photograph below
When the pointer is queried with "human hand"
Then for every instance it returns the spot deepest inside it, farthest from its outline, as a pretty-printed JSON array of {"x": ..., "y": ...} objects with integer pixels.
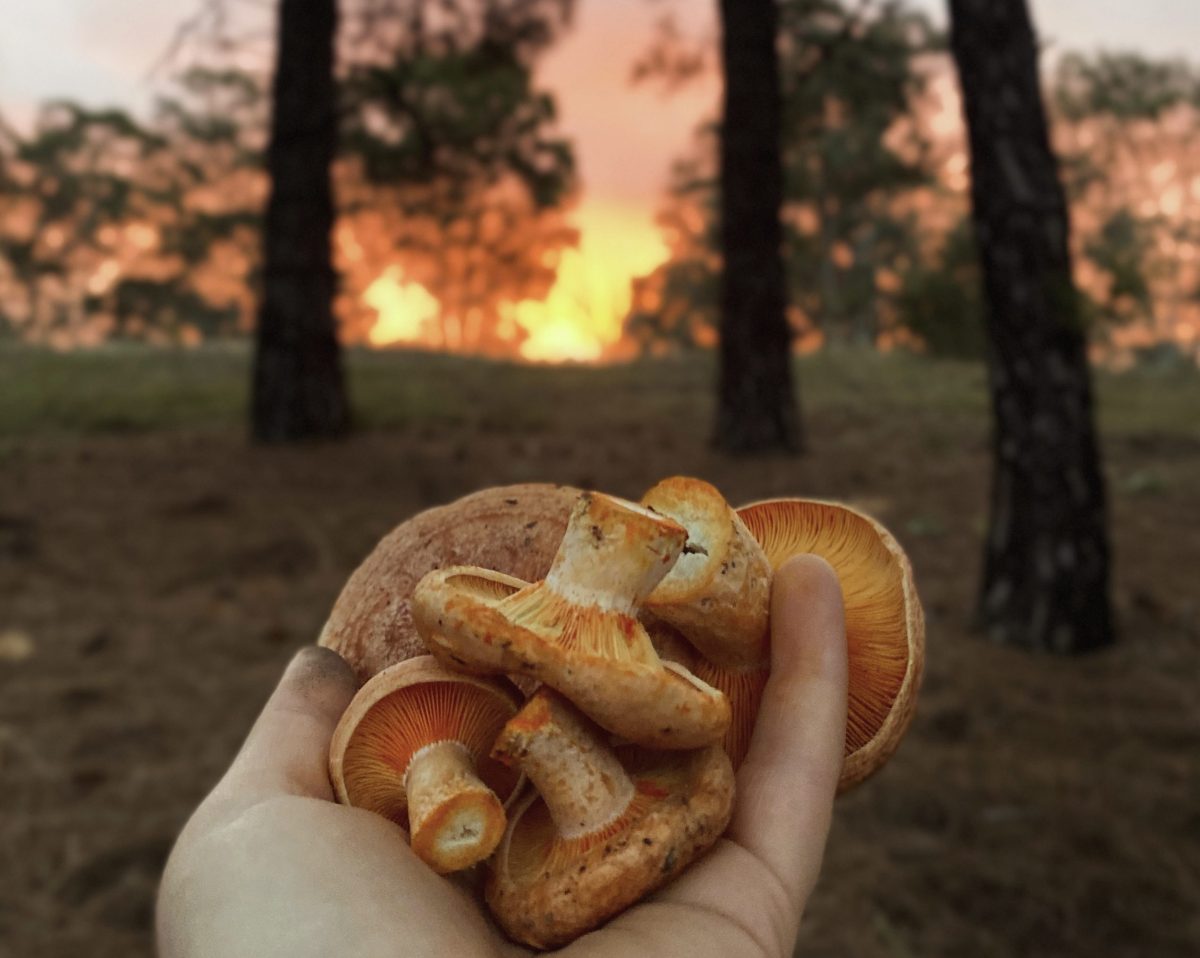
[{"x": 269, "y": 866}]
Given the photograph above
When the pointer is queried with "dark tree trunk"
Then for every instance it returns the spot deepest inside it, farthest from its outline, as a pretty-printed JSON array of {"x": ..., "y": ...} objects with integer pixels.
[
  {"x": 757, "y": 409},
  {"x": 1046, "y": 559},
  {"x": 298, "y": 388}
]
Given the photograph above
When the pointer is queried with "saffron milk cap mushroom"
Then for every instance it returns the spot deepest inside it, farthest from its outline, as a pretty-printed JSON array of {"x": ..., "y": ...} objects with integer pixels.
[
  {"x": 719, "y": 592},
  {"x": 513, "y": 529},
  {"x": 718, "y": 595},
  {"x": 577, "y": 630},
  {"x": 414, "y": 746},
  {"x": 603, "y": 828},
  {"x": 743, "y": 687},
  {"x": 885, "y": 626}
]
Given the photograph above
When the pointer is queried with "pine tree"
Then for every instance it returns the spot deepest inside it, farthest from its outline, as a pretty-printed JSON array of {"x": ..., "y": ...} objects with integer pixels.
[
  {"x": 298, "y": 387},
  {"x": 1046, "y": 558},
  {"x": 757, "y": 409}
]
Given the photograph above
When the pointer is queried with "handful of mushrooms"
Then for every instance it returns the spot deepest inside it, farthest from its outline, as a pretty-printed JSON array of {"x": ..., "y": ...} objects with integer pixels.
[{"x": 563, "y": 683}]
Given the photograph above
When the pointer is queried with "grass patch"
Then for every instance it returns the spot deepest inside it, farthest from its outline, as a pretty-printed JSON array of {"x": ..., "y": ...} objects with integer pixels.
[{"x": 132, "y": 388}]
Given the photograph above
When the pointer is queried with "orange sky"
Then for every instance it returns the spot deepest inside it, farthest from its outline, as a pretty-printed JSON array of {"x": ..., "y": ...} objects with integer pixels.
[{"x": 100, "y": 51}]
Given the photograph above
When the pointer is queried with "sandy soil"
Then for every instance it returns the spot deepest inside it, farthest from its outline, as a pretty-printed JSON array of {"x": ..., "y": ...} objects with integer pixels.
[{"x": 1039, "y": 806}]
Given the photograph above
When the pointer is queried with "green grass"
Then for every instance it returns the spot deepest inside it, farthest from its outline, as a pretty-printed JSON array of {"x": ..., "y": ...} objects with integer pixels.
[{"x": 129, "y": 388}]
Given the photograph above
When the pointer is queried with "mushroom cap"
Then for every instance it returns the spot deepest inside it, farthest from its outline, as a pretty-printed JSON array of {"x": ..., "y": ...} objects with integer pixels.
[
  {"x": 885, "y": 626},
  {"x": 403, "y": 709},
  {"x": 546, "y": 890},
  {"x": 513, "y": 529},
  {"x": 603, "y": 661}
]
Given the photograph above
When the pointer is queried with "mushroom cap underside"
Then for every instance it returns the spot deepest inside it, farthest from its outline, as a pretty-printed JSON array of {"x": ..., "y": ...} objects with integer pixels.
[
  {"x": 546, "y": 890},
  {"x": 405, "y": 708},
  {"x": 744, "y": 689},
  {"x": 461, "y": 614},
  {"x": 885, "y": 625}
]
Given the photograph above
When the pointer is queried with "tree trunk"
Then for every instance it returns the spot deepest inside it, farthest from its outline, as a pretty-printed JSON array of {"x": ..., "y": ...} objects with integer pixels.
[
  {"x": 298, "y": 388},
  {"x": 1046, "y": 559},
  {"x": 756, "y": 406}
]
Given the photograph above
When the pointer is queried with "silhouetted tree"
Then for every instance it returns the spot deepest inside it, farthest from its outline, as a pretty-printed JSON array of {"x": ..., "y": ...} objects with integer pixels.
[
  {"x": 1046, "y": 558},
  {"x": 298, "y": 387},
  {"x": 757, "y": 408},
  {"x": 850, "y": 78}
]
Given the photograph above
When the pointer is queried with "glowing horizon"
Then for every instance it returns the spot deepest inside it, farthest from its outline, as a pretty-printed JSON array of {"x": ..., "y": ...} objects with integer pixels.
[{"x": 580, "y": 319}]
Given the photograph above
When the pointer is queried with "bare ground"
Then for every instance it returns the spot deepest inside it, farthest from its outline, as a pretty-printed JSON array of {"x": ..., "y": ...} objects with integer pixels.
[{"x": 1039, "y": 806}]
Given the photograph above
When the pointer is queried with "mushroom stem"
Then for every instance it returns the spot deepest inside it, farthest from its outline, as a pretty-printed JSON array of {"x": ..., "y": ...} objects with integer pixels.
[
  {"x": 452, "y": 815},
  {"x": 579, "y": 778},
  {"x": 719, "y": 592},
  {"x": 595, "y": 564}
]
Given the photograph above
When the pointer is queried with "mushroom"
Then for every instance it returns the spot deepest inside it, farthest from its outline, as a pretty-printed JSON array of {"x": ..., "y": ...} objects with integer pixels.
[
  {"x": 718, "y": 595},
  {"x": 413, "y": 746},
  {"x": 743, "y": 687},
  {"x": 719, "y": 592},
  {"x": 577, "y": 630},
  {"x": 885, "y": 627},
  {"x": 515, "y": 529},
  {"x": 603, "y": 828}
]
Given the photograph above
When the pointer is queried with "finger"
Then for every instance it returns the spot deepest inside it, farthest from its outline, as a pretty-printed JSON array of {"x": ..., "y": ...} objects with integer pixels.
[
  {"x": 287, "y": 750},
  {"x": 787, "y": 783}
]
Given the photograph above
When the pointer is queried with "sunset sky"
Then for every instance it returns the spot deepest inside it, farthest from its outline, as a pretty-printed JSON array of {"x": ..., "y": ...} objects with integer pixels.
[{"x": 102, "y": 52}]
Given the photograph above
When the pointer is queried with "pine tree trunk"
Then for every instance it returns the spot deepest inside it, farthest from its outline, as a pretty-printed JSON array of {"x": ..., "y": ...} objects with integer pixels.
[
  {"x": 1046, "y": 559},
  {"x": 298, "y": 387},
  {"x": 756, "y": 406}
]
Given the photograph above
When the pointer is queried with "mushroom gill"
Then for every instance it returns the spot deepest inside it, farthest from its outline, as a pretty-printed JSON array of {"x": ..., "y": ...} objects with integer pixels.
[
  {"x": 885, "y": 627},
  {"x": 414, "y": 747}
]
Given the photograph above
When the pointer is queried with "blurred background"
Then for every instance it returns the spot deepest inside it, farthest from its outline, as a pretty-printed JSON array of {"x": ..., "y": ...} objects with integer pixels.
[{"x": 276, "y": 275}]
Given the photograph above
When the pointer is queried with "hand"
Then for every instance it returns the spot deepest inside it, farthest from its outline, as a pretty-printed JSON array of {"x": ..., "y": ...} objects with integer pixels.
[{"x": 269, "y": 866}]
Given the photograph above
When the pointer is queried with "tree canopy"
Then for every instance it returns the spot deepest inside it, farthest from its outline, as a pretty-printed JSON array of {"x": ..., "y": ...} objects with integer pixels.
[{"x": 450, "y": 176}]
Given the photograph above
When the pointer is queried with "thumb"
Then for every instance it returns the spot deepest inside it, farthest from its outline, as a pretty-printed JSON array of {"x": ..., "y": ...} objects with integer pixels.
[
  {"x": 787, "y": 783},
  {"x": 287, "y": 750}
]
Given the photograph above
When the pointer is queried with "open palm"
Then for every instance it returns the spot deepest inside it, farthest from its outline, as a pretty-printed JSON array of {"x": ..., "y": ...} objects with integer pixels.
[{"x": 269, "y": 866}]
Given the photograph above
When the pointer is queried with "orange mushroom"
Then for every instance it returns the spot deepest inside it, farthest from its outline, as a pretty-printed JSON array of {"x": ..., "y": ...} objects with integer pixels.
[
  {"x": 577, "y": 630},
  {"x": 718, "y": 595},
  {"x": 603, "y": 828},
  {"x": 885, "y": 626},
  {"x": 414, "y": 745},
  {"x": 719, "y": 592}
]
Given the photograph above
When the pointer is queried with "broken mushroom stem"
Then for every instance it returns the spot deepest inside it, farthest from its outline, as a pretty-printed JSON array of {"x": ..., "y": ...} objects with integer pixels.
[
  {"x": 613, "y": 554},
  {"x": 580, "y": 779},
  {"x": 442, "y": 786}
]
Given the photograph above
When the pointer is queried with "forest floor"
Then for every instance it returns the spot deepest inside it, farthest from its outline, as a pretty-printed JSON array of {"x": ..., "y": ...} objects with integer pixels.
[{"x": 157, "y": 571}]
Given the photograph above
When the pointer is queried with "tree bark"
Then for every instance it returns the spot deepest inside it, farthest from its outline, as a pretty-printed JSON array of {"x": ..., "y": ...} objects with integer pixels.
[
  {"x": 757, "y": 410},
  {"x": 298, "y": 388},
  {"x": 1046, "y": 558}
]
